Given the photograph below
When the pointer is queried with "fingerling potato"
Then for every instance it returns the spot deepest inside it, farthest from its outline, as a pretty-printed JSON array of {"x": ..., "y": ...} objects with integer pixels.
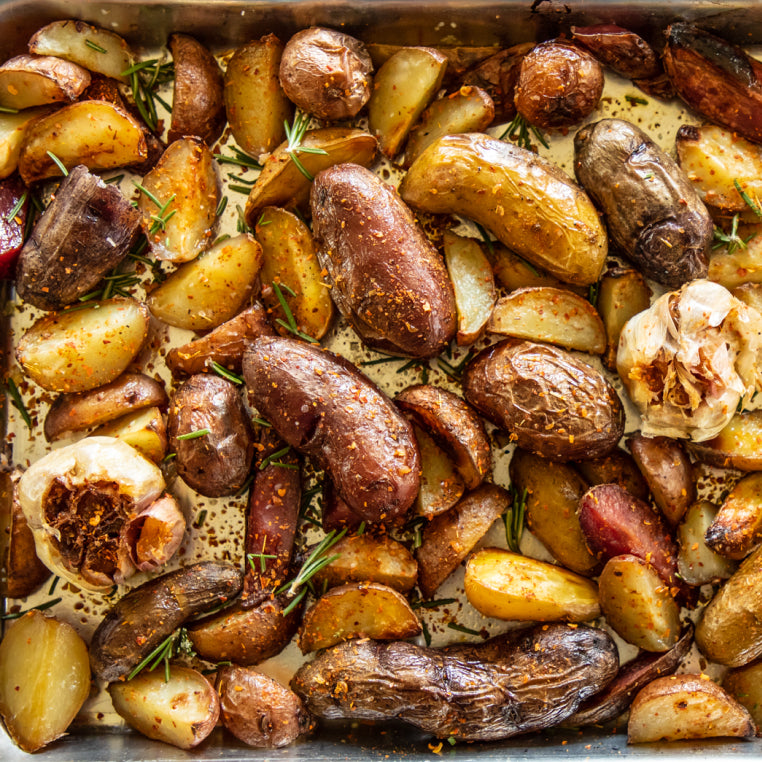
[
  {"x": 737, "y": 527},
  {"x": 744, "y": 684},
  {"x": 617, "y": 467},
  {"x": 697, "y": 563}
]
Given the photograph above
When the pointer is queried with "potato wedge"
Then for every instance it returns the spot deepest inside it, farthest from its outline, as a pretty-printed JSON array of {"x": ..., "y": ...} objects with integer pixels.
[
  {"x": 145, "y": 430},
  {"x": 623, "y": 292},
  {"x": 441, "y": 486},
  {"x": 450, "y": 537},
  {"x": 76, "y": 412},
  {"x": 559, "y": 230},
  {"x": 553, "y": 315},
  {"x": 737, "y": 527},
  {"x": 638, "y": 605},
  {"x": 738, "y": 445},
  {"x": 181, "y": 711},
  {"x": 27, "y": 81},
  {"x": 553, "y": 491},
  {"x": 364, "y": 558},
  {"x": 508, "y": 585},
  {"x": 714, "y": 159},
  {"x": 515, "y": 272},
  {"x": 255, "y": 103},
  {"x": 454, "y": 424},
  {"x": 469, "y": 109},
  {"x": 697, "y": 563},
  {"x": 744, "y": 684},
  {"x": 211, "y": 289},
  {"x": 280, "y": 183},
  {"x": 617, "y": 467},
  {"x": 183, "y": 191},
  {"x": 474, "y": 285},
  {"x": 357, "y": 610},
  {"x": 13, "y": 128},
  {"x": 97, "y": 134},
  {"x": 44, "y": 679},
  {"x": 289, "y": 259},
  {"x": 744, "y": 265},
  {"x": 78, "y": 350},
  {"x": 686, "y": 707},
  {"x": 403, "y": 87},
  {"x": 91, "y": 47}
]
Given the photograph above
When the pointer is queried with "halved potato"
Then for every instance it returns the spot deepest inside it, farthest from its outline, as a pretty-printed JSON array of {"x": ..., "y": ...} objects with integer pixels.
[
  {"x": 638, "y": 604},
  {"x": 697, "y": 563},
  {"x": 404, "y": 86},
  {"x": 450, "y": 537},
  {"x": 474, "y": 284},
  {"x": 507, "y": 585},
  {"x": 255, "y": 103},
  {"x": 686, "y": 706},
  {"x": 27, "y": 81},
  {"x": 750, "y": 294},
  {"x": 77, "y": 350},
  {"x": 89, "y": 46},
  {"x": 744, "y": 684},
  {"x": 181, "y": 711},
  {"x": 469, "y": 109},
  {"x": 212, "y": 288},
  {"x": 744, "y": 265},
  {"x": 290, "y": 261},
  {"x": 12, "y": 131},
  {"x": 281, "y": 183},
  {"x": 738, "y": 445},
  {"x": 145, "y": 430},
  {"x": 185, "y": 183},
  {"x": 515, "y": 272},
  {"x": 97, "y": 134},
  {"x": 359, "y": 610},
  {"x": 737, "y": 527},
  {"x": 553, "y": 315},
  {"x": 441, "y": 486}
]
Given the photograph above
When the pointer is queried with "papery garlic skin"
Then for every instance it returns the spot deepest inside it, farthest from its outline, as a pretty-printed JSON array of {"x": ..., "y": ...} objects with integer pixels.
[
  {"x": 690, "y": 359},
  {"x": 94, "y": 490}
]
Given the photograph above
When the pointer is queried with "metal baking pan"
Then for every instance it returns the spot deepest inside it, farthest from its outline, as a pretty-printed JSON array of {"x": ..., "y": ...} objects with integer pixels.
[{"x": 223, "y": 24}]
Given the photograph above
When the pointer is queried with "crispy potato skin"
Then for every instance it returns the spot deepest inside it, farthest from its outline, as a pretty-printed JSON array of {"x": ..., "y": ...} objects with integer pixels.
[
  {"x": 386, "y": 278},
  {"x": 559, "y": 85},
  {"x": 217, "y": 463},
  {"x": 555, "y": 405},
  {"x": 531, "y": 205},
  {"x": 624, "y": 51},
  {"x": 515, "y": 683},
  {"x": 323, "y": 406},
  {"x": 652, "y": 211},
  {"x": 326, "y": 73}
]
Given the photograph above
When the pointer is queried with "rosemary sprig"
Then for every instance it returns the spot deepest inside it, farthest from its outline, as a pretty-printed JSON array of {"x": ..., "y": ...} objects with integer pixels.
[
  {"x": 95, "y": 46},
  {"x": 380, "y": 360},
  {"x": 462, "y": 628},
  {"x": 8, "y": 110},
  {"x": 113, "y": 180},
  {"x": 294, "y": 135},
  {"x": 58, "y": 163},
  {"x": 426, "y": 633},
  {"x": 239, "y": 179},
  {"x": 513, "y": 519},
  {"x": 193, "y": 434},
  {"x": 222, "y": 206},
  {"x": 290, "y": 322},
  {"x": 262, "y": 422},
  {"x": 18, "y": 402},
  {"x": 152, "y": 264},
  {"x": 519, "y": 131},
  {"x": 54, "y": 585},
  {"x": 173, "y": 645},
  {"x": 161, "y": 219},
  {"x": 592, "y": 293},
  {"x": 433, "y": 604},
  {"x": 40, "y": 607},
  {"x": 636, "y": 100},
  {"x": 307, "y": 511},
  {"x": 200, "y": 519},
  {"x": 262, "y": 558},
  {"x": 273, "y": 458},
  {"x": 751, "y": 203},
  {"x": 732, "y": 240},
  {"x": 415, "y": 526},
  {"x": 239, "y": 159},
  {"x": 145, "y": 77},
  {"x": 244, "y": 190},
  {"x": 317, "y": 560},
  {"x": 241, "y": 225},
  {"x": 361, "y": 529},
  {"x": 16, "y": 208},
  {"x": 221, "y": 370}
]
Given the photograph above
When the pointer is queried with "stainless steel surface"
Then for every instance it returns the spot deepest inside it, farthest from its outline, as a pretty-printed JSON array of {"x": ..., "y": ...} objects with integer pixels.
[{"x": 223, "y": 23}]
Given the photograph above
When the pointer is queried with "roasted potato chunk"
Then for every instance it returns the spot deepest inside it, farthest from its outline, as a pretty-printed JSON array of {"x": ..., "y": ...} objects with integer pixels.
[
  {"x": 27, "y": 81},
  {"x": 697, "y": 563},
  {"x": 738, "y": 445},
  {"x": 441, "y": 485},
  {"x": 624, "y": 51},
  {"x": 744, "y": 685},
  {"x": 618, "y": 467},
  {"x": 144, "y": 430},
  {"x": 12, "y": 130},
  {"x": 737, "y": 527}
]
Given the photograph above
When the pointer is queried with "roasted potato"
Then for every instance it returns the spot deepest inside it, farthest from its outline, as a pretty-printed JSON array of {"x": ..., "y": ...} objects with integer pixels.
[
  {"x": 559, "y": 85},
  {"x": 559, "y": 231},
  {"x": 44, "y": 679},
  {"x": 209, "y": 430},
  {"x": 78, "y": 350},
  {"x": 513, "y": 271},
  {"x": 211, "y": 289},
  {"x": 75, "y": 412},
  {"x": 451, "y": 536},
  {"x": 326, "y": 73},
  {"x": 750, "y": 294},
  {"x": 259, "y": 711},
  {"x": 555, "y": 405},
  {"x": 737, "y": 527},
  {"x": 553, "y": 491},
  {"x": 441, "y": 485},
  {"x": 742, "y": 265},
  {"x": 144, "y": 430},
  {"x": 620, "y": 49},
  {"x": 197, "y": 105},
  {"x": 472, "y": 693},
  {"x": 357, "y": 610},
  {"x": 617, "y": 467},
  {"x": 697, "y": 563},
  {"x": 84, "y": 233},
  {"x": 12, "y": 130},
  {"x": 652, "y": 211},
  {"x": 323, "y": 406},
  {"x": 744, "y": 684},
  {"x": 255, "y": 103},
  {"x": 686, "y": 706},
  {"x": 507, "y": 585},
  {"x": 138, "y": 622},
  {"x": 336, "y": 513},
  {"x": 27, "y": 81},
  {"x": 454, "y": 425},
  {"x": 738, "y": 445},
  {"x": 359, "y": 223}
]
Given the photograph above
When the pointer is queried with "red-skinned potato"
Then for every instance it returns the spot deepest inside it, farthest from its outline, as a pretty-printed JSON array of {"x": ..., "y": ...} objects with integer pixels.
[
  {"x": 11, "y": 230},
  {"x": 617, "y": 467},
  {"x": 323, "y": 406},
  {"x": 624, "y": 51}
]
